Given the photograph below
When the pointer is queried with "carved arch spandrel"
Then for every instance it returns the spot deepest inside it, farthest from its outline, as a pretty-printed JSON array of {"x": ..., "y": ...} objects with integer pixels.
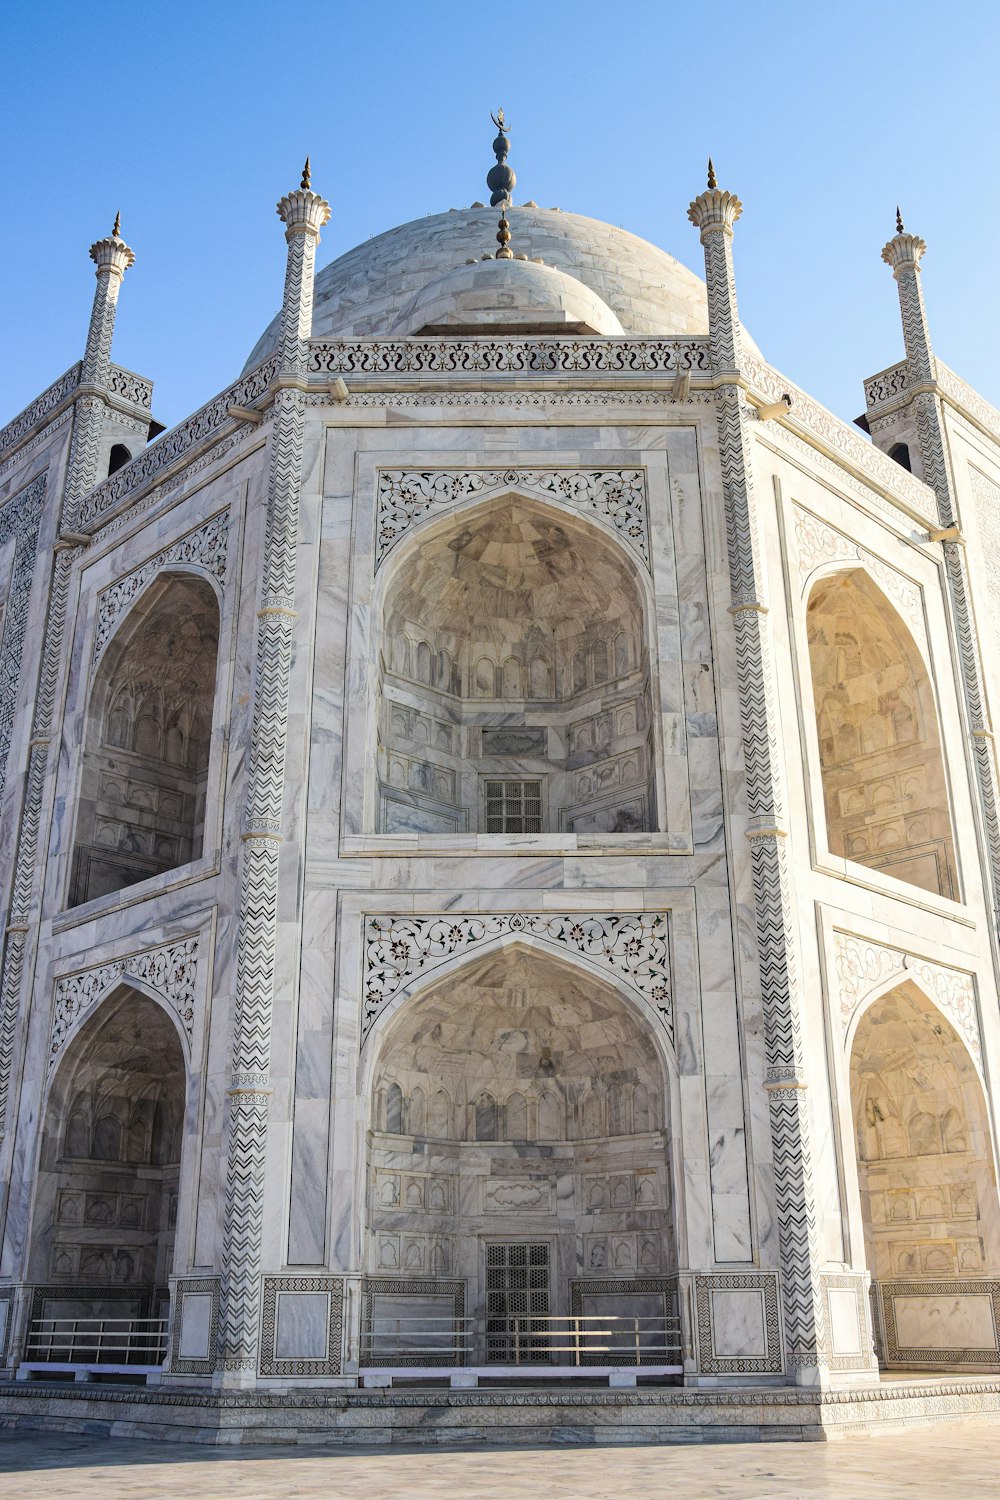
[
  {"x": 167, "y": 974},
  {"x": 866, "y": 970},
  {"x": 632, "y": 950},
  {"x": 615, "y": 498},
  {"x": 819, "y": 546}
]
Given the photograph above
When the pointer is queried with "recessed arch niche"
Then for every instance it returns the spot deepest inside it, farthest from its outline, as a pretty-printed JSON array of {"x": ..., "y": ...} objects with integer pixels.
[
  {"x": 925, "y": 1168},
  {"x": 514, "y": 680},
  {"x": 519, "y": 1099},
  {"x": 884, "y": 784},
  {"x": 106, "y": 1198},
  {"x": 147, "y": 740}
]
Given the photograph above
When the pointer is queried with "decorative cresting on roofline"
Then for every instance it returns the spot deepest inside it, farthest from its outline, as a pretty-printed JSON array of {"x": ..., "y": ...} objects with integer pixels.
[
  {"x": 174, "y": 445},
  {"x": 615, "y": 496},
  {"x": 863, "y": 966},
  {"x": 887, "y": 387},
  {"x": 513, "y": 356},
  {"x": 817, "y": 544},
  {"x": 171, "y": 971},
  {"x": 19, "y": 427},
  {"x": 842, "y": 437},
  {"x": 631, "y": 946},
  {"x": 205, "y": 546}
]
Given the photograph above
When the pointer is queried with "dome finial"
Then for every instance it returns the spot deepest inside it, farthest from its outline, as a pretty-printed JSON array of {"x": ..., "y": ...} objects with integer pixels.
[
  {"x": 899, "y": 221},
  {"x": 500, "y": 179},
  {"x": 306, "y": 183},
  {"x": 711, "y": 175},
  {"x": 116, "y": 233}
]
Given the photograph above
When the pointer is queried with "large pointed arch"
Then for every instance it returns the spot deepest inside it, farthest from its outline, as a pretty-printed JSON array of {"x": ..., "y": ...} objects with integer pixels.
[
  {"x": 109, "y": 1165},
  {"x": 147, "y": 739},
  {"x": 512, "y": 652},
  {"x": 927, "y": 1180},
  {"x": 885, "y": 786},
  {"x": 517, "y": 1105}
]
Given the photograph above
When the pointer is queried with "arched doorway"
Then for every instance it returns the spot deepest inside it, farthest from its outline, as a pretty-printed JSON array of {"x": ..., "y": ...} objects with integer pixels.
[
  {"x": 106, "y": 1196},
  {"x": 515, "y": 681},
  {"x": 884, "y": 781},
  {"x": 147, "y": 741},
  {"x": 518, "y": 1152},
  {"x": 928, "y": 1184}
]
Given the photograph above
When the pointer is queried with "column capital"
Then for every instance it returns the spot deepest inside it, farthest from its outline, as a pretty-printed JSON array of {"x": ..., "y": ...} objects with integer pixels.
[
  {"x": 713, "y": 210},
  {"x": 904, "y": 252},
  {"x": 302, "y": 211},
  {"x": 112, "y": 255}
]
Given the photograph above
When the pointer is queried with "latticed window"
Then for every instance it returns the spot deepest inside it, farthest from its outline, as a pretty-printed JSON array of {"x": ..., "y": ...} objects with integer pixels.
[
  {"x": 517, "y": 1303},
  {"x": 513, "y": 807}
]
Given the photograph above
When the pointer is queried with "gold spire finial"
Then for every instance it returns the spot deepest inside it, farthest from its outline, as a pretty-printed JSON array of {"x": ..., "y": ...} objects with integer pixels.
[
  {"x": 306, "y": 182},
  {"x": 503, "y": 237},
  {"x": 116, "y": 233},
  {"x": 711, "y": 175},
  {"x": 899, "y": 221}
]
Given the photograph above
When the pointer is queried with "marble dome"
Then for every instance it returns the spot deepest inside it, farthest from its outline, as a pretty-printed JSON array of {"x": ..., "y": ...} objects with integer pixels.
[
  {"x": 363, "y": 293},
  {"x": 506, "y": 296}
]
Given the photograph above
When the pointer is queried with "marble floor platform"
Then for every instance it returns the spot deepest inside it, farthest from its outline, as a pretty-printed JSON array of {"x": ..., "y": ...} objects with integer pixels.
[
  {"x": 500, "y": 1418},
  {"x": 934, "y": 1464}
]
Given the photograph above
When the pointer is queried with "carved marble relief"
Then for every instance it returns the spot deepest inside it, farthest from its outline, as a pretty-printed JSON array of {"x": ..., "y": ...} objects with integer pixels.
[
  {"x": 615, "y": 496},
  {"x": 205, "y": 546},
  {"x": 862, "y": 966},
  {"x": 633, "y": 947},
  {"x": 172, "y": 971}
]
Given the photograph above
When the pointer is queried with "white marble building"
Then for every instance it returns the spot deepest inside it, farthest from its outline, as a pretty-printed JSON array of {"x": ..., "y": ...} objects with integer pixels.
[{"x": 500, "y": 833}]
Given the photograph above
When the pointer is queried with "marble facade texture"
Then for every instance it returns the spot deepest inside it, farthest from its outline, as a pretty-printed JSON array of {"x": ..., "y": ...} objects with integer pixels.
[{"x": 501, "y": 812}]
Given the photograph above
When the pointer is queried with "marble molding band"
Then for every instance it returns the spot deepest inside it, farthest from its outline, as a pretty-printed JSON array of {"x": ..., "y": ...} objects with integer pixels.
[{"x": 304, "y": 213}]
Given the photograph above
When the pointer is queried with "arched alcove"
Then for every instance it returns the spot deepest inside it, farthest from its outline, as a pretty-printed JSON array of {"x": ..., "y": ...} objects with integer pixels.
[
  {"x": 106, "y": 1197},
  {"x": 147, "y": 739},
  {"x": 884, "y": 783},
  {"x": 548, "y": 1124},
  {"x": 925, "y": 1169},
  {"x": 515, "y": 680}
]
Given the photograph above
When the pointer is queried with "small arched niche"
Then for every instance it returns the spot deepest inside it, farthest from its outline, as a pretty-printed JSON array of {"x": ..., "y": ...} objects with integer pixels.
[
  {"x": 549, "y": 1121},
  {"x": 925, "y": 1170},
  {"x": 884, "y": 784},
  {"x": 147, "y": 740},
  {"x": 515, "y": 689},
  {"x": 106, "y": 1195}
]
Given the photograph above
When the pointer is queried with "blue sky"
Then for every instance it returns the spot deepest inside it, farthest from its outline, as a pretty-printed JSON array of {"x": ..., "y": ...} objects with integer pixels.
[{"x": 194, "y": 118}]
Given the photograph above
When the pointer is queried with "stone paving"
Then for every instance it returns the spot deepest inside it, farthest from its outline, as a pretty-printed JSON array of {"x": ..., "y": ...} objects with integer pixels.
[{"x": 943, "y": 1463}]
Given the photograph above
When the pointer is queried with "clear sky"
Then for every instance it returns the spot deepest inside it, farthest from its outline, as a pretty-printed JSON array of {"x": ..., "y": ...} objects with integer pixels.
[{"x": 194, "y": 118}]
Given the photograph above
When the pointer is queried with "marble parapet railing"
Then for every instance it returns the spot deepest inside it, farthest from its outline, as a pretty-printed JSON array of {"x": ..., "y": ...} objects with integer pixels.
[
  {"x": 41, "y": 409},
  {"x": 514, "y": 356},
  {"x": 176, "y": 444},
  {"x": 843, "y": 441},
  {"x": 887, "y": 387},
  {"x": 968, "y": 401},
  {"x": 128, "y": 387},
  {"x": 131, "y": 387}
]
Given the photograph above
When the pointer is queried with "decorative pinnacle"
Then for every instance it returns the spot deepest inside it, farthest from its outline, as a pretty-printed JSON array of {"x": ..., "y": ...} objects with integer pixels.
[
  {"x": 711, "y": 175},
  {"x": 503, "y": 238},
  {"x": 306, "y": 183},
  {"x": 116, "y": 233},
  {"x": 500, "y": 179},
  {"x": 899, "y": 221}
]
